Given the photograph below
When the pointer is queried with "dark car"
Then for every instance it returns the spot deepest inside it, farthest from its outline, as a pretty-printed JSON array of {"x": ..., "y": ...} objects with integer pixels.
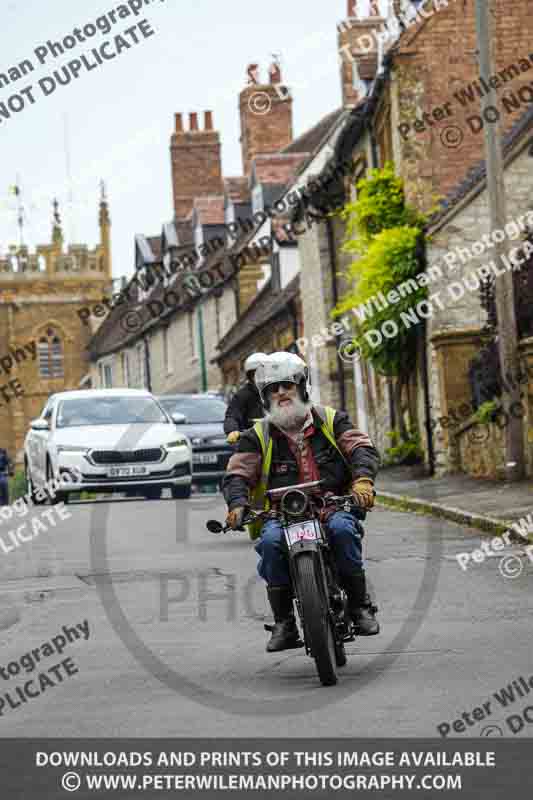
[{"x": 204, "y": 426}]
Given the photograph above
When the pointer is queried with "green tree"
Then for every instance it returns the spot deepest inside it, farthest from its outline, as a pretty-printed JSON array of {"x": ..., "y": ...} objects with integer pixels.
[{"x": 386, "y": 237}]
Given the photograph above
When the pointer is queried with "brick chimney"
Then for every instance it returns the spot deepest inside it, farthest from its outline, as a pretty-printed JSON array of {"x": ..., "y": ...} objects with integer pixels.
[
  {"x": 266, "y": 115},
  {"x": 358, "y": 47},
  {"x": 195, "y": 162}
]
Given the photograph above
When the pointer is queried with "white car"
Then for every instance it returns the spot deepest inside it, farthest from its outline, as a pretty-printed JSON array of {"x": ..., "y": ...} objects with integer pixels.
[{"x": 106, "y": 440}]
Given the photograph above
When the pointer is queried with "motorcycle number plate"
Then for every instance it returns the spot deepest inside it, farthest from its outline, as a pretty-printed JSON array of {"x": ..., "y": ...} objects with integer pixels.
[{"x": 303, "y": 532}]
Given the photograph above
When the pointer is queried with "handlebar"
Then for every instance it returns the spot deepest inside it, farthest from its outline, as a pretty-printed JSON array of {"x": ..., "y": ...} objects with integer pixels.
[{"x": 213, "y": 526}]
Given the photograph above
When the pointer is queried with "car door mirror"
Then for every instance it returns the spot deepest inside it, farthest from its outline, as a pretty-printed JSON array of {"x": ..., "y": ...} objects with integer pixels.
[
  {"x": 40, "y": 425},
  {"x": 178, "y": 419}
]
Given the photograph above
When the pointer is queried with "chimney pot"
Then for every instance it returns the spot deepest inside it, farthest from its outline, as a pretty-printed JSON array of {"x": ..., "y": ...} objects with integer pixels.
[
  {"x": 193, "y": 121},
  {"x": 352, "y": 9},
  {"x": 208, "y": 117},
  {"x": 275, "y": 73},
  {"x": 179, "y": 123},
  {"x": 253, "y": 73}
]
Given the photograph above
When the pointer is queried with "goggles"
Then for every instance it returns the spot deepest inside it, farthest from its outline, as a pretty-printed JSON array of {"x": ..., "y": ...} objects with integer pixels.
[{"x": 283, "y": 385}]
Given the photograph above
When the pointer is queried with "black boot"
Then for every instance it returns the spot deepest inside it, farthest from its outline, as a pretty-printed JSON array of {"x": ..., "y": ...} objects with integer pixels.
[
  {"x": 360, "y": 608},
  {"x": 285, "y": 634}
]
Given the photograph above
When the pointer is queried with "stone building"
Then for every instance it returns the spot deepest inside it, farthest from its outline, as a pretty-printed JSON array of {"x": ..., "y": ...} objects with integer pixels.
[
  {"x": 415, "y": 101},
  {"x": 459, "y": 248},
  {"x": 193, "y": 282},
  {"x": 42, "y": 337}
]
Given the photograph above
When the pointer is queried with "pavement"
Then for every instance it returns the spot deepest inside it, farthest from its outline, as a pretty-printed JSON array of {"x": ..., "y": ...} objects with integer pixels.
[
  {"x": 488, "y": 505},
  {"x": 176, "y": 644}
]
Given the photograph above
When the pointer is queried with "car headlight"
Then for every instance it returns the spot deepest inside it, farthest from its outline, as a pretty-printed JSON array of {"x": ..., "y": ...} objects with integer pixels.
[
  {"x": 177, "y": 443},
  {"x": 63, "y": 448}
]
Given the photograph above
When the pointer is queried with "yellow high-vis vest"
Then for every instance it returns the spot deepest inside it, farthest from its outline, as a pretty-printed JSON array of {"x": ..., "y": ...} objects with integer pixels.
[{"x": 259, "y": 500}]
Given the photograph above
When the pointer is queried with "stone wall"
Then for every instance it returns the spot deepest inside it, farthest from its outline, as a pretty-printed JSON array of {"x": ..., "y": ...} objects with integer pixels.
[{"x": 455, "y": 332}]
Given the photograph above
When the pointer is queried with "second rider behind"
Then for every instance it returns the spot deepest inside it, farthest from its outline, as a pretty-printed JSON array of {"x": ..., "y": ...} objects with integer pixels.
[
  {"x": 246, "y": 406},
  {"x": 305, "y": 443}
]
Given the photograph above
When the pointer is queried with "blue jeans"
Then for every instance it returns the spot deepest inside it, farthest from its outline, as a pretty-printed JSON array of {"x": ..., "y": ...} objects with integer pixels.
[
  {"x": 4, "y": 490},
  {"x": 345, "y": 533}
]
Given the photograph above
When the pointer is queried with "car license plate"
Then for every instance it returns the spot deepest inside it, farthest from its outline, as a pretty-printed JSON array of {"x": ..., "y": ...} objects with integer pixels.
[
  {"x": 204, "y": 458},
  {"x": 303, "y": 532},
  {"x": 126, "y": 472}
]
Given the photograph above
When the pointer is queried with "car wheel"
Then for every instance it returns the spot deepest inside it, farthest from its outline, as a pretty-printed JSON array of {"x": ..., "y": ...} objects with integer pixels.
[
  {"x": 152, "y": 493},
  {"x": 57, "y": 497},
  {"x": 31, "y": 488},
  {"x": 181, "y": 492}
]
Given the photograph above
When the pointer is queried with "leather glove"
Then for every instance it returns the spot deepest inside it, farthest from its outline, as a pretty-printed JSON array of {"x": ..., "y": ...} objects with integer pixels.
[
  {"x": 235, "y": 517},
  {"x": 233, "y": 437},
  {"x": 363, "y": 492}
]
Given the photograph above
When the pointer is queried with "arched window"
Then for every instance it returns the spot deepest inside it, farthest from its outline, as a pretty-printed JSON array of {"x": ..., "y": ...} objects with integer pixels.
[{"x": 50, "y": 353}]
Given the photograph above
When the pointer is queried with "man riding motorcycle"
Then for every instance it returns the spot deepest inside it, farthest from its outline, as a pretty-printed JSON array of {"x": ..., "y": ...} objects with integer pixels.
[
  {"x": 305, "y": 443},
  {"x": 245, "y": 407}
]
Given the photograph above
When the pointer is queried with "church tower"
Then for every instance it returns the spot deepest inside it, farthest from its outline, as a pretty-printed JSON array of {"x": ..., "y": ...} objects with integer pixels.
[{"x": 42, "y": 337}]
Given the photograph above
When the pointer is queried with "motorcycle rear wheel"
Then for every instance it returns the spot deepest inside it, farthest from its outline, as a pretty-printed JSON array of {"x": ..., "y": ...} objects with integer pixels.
[{"x": 318, "y": 628}]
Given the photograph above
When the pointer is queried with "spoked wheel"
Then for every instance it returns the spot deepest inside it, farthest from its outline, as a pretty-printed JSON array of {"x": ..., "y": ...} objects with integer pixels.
[{"x": 318, "y": 628}]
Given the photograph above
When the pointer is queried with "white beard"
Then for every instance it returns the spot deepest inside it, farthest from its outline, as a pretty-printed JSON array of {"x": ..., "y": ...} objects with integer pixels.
[{"x": 289, "y": 417}]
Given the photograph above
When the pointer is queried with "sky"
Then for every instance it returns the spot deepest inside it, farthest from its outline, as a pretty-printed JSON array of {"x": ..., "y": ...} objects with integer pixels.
[{"x": 114, "y": 123}]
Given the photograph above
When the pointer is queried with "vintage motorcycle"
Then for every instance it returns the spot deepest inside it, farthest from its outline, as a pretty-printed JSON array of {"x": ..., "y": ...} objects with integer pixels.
[{"x": 320, "y": 601}]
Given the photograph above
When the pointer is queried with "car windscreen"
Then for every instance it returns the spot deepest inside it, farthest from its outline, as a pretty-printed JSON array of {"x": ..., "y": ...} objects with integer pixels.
[
  {"x": 196, "y": 409},
  {"x": 108, "y": 411}
]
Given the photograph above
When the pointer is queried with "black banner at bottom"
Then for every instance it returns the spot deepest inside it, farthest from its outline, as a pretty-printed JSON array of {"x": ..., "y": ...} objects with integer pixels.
[{"x": 286, "y": 768}]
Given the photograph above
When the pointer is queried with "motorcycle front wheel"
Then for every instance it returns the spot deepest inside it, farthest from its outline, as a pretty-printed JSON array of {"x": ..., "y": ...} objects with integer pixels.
[{"x": 317, "y": 625}]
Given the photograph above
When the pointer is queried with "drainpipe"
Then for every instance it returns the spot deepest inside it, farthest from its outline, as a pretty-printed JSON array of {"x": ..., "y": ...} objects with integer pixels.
[
  {"x": 201, "y": 345},
  {"x": 148, "y": 371},
  {"x": 427, "y": 403},
  {"x": 333, "y": 267},
  {"x": 375, "y": 164}
]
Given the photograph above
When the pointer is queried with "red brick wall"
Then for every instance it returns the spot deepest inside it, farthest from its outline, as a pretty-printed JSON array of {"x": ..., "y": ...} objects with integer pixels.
[
  {"x": 266, "y": 121},
  {"x": 196, "y": 163},
  {"x": 356, "y": 41},
  {"x": 440, "y": 60}
]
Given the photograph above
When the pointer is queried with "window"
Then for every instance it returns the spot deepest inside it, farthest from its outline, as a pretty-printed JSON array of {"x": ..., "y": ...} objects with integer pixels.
[{"x": 50, "y": 355}]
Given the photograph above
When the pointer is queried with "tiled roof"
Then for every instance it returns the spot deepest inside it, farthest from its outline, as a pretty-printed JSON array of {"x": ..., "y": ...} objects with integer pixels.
[
  {"x": 277, "y": 169},
  {"x": 265, "y": 308},
  {"x": 311, "y": 140},
  {"x": 209, "y": 209},
  {"x": 478, "y": 173}
]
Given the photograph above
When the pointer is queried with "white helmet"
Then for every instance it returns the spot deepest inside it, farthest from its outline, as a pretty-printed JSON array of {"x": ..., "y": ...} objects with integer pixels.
[
  {"x": 282, "y": 367},
  {"x": 253, "y": 361}
]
